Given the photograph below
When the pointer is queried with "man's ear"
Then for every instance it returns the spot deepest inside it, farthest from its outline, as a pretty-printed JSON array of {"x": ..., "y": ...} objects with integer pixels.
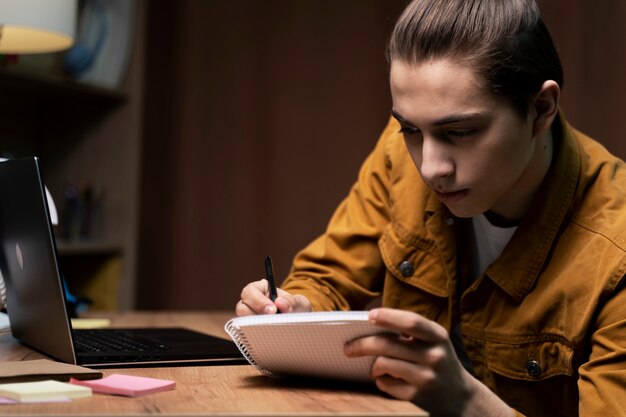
[{"x": 546, "y": 106}]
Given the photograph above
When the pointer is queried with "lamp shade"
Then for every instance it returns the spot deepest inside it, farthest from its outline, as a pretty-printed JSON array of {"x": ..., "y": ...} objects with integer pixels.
[{"x": 36, "y": 26}]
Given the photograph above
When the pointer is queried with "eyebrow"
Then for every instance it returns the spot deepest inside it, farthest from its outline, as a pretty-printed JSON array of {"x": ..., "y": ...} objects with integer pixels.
[{"x": 453, "y": 118}]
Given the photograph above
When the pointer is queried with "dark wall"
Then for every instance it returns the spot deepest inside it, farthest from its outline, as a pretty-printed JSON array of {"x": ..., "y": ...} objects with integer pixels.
[
  {"x": 591, "y": 38},
  {"x": 259, "y": 113}
]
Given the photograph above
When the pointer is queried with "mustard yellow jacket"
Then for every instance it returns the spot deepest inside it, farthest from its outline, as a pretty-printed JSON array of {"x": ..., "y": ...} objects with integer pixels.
[{"x": 545, "y": 325}]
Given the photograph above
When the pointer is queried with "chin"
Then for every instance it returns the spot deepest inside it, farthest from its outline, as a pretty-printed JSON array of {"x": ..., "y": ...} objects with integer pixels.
[{"x": 465, "y": 212}]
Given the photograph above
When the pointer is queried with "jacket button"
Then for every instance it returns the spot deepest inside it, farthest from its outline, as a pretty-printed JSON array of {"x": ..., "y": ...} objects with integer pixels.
[
  {"x": 406, "y": 268},
  {"x": 533, "y": 368}
]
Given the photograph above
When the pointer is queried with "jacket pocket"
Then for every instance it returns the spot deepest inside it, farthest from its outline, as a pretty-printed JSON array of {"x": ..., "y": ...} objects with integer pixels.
[
  {"x": 415, "y": 263},
  {"x": 536, "y": 379},
  {"x": 533, "y": 361}
]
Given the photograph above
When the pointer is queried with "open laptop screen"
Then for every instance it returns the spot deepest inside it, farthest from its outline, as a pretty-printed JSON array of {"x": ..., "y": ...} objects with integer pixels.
[{"x": 36, "y": 299}]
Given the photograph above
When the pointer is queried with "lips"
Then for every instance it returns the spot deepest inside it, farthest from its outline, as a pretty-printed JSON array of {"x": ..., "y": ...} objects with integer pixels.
[{"x": 452, "y": 196}]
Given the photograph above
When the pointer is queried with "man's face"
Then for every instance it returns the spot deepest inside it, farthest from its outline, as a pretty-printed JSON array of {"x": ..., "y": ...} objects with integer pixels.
[{"x": 470, "y": 147}]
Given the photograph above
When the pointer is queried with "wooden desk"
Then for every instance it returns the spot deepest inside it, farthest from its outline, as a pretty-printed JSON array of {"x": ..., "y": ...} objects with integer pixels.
[{"x": 237, "y": 390}]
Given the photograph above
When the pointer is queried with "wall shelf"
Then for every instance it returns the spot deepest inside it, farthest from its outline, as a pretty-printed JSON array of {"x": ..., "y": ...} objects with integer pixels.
[
  {"x": 31, "y": 84},
  {"x": 86, "y": 134},
  {"x": 87, "y": 248},
  {"x": 54, "y": 117}
]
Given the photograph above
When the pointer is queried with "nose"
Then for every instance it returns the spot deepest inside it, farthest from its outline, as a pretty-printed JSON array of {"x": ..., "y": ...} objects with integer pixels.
[{"x": 437, "y": 162}]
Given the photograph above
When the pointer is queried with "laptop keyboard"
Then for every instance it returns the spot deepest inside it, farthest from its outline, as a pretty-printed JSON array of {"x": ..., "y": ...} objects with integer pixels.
[{"x": 112, "y": 340}]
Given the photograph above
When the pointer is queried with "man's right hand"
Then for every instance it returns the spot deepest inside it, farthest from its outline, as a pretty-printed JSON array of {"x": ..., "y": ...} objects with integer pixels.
[{"x": 255, "y": 300}]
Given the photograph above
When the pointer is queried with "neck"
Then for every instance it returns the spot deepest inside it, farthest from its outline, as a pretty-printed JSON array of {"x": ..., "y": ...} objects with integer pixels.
[{"x": 499, "y": 221}]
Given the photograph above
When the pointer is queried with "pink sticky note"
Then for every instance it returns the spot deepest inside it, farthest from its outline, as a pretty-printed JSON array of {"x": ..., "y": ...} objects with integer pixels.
[
  {"x": 130, "y": 386},
  {"x": 4, "y": 400}
]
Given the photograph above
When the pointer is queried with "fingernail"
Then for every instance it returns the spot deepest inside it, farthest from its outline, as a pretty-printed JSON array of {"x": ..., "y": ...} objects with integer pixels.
[
  {"x": 270, "y": 309},
  {"x": 373, "y": 316},
  {"x": 347, "y": 349}
]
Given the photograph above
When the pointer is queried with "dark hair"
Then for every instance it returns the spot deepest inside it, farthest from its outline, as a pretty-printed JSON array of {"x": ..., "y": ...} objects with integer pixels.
[{"x": 506, "y": 41}]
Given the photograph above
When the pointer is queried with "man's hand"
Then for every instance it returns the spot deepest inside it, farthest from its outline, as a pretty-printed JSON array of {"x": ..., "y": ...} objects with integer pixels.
[
  {"x": 420, "y": 365},
  {"x": 255, "y": 300}
]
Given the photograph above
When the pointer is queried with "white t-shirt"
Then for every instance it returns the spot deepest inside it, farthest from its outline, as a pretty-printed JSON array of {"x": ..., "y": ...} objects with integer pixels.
[{"x": 488, "y": 242}]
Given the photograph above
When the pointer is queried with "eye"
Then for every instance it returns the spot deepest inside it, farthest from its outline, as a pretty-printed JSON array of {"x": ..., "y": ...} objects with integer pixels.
[
  {"x": 460, "y": 133},
  {"x": 408, "y": 130}
]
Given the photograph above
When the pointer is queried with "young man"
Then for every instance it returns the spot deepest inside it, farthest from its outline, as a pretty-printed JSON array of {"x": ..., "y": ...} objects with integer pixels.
[{"x": 501, "y": 258}]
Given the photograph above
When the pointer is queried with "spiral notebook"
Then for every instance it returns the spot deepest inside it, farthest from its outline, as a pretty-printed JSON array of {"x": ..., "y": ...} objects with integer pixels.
[{"x": 304, "y": 344}]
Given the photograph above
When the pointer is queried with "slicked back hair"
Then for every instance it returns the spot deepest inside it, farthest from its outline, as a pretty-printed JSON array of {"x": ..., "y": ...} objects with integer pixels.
[{"x": 505, "y": 41}]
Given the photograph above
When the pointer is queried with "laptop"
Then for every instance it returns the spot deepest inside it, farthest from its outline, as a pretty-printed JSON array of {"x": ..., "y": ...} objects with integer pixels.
[{"x": 36, "y": 302}]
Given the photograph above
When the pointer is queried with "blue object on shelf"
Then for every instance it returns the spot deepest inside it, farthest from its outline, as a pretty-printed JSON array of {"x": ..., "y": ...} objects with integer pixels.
[
  {"x": 75, "y": 305},
  {"x": 92, "y": 34}
]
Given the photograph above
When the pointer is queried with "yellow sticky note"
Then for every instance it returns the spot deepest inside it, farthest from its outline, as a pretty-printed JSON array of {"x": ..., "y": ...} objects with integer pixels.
[
  {"x": 86, "y": 323},
  {"x": 43, "y": 391}
]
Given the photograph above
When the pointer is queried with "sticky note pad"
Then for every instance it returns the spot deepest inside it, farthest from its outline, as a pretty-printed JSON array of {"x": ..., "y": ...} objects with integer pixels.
[
  {"x": 130, "y": 386},
  {"x": 43, "y": 391},
  {"x": 4, "y": 400},
  {"x": 86, "y": 323}
]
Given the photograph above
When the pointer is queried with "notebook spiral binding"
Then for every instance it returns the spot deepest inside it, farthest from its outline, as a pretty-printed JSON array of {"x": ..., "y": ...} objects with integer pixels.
[
  {"x": 242, "y": 344},
  {"x": 3, "y": 293}
]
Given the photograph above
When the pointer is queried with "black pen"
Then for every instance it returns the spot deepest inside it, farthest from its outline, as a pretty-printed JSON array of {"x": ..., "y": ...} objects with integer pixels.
[{"x": 269, "y": 274}]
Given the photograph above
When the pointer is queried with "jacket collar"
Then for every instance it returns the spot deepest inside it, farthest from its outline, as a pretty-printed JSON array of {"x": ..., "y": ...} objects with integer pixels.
[{"x": 523, "y": 258}]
